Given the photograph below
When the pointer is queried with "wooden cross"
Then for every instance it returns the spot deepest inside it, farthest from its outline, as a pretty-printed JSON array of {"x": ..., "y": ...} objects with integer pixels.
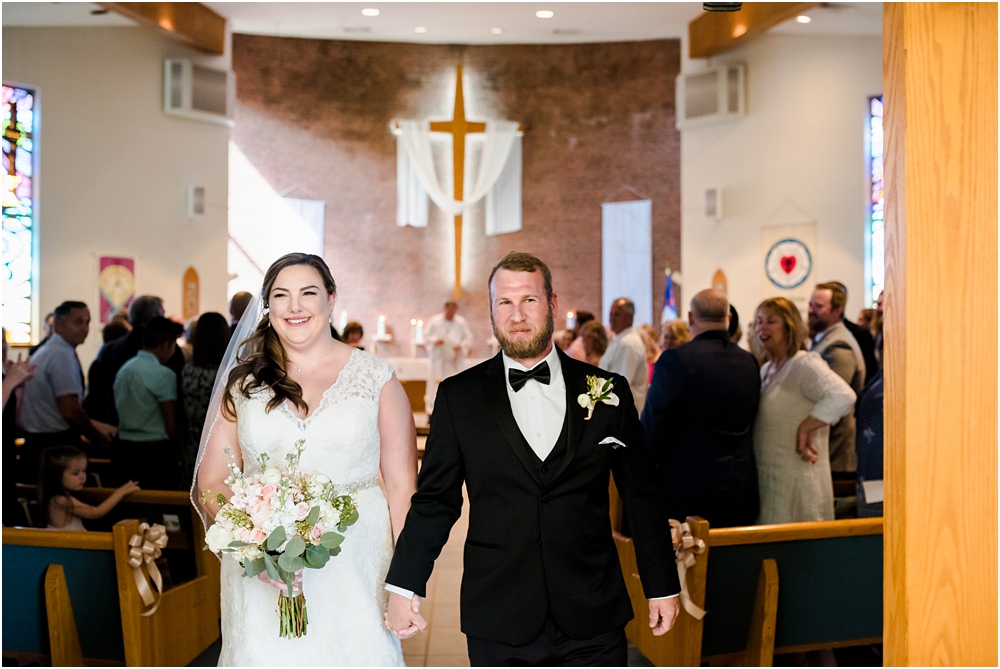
[{"x": 458, "y": 128}]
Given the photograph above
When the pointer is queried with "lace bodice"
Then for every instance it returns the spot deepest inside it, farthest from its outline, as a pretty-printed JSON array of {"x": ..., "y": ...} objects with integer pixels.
[{"x": 341, "y": 434}]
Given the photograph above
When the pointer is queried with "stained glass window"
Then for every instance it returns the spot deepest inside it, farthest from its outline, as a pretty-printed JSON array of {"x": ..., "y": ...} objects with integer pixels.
[
  {"x": 18, "y": 141},
  {"x": 876, "y": 208}
]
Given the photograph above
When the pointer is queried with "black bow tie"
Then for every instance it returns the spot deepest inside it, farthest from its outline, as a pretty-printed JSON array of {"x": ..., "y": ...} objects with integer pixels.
[{"x": 539, "y": 373}]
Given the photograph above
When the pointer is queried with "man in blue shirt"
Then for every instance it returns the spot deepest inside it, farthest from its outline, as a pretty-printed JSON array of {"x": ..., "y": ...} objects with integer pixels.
[
  {"x": 145, "y": 391},
  {"x": 51, "y": 411}
]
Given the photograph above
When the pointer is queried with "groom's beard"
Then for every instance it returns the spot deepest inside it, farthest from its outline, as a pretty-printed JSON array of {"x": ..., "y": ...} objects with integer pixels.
[{"x": 525, "y": 350}]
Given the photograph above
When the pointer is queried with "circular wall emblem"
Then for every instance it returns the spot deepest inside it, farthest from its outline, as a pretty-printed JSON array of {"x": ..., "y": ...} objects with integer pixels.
[{"x": 788, "y": 263}]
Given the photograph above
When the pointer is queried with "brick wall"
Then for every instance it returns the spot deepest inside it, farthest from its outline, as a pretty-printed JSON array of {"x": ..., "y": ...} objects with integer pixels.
[{"x": 315, "y": 115}]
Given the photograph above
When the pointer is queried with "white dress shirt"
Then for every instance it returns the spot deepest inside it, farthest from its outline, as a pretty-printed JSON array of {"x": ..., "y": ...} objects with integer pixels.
[
  {"x": 626, "y": 355},
  {"x": 539, "y": 409}
]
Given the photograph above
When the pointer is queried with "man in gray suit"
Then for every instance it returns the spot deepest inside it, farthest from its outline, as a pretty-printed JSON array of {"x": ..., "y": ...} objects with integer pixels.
[{"x": 838, "y": 347}]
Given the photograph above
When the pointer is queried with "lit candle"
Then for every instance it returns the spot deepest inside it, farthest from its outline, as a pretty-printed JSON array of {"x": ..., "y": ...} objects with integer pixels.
[
  {"x": 380, "y": 331},
  {"x": 343, "y": 320},
  {"x": 420, "y": 332},
  {"x": 570, "y": 321},
  {"x": 413, "y": 337}
]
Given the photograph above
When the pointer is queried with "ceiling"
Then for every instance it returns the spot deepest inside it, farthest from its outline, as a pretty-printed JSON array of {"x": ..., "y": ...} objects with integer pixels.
[{"x": 460, "y": 22}]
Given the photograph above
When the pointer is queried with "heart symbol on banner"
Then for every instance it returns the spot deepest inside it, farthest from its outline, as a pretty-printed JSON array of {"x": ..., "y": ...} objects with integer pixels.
[{"x": 788, "y": 264}]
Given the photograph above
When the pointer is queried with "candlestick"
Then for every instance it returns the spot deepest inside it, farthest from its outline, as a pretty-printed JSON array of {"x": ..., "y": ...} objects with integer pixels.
[
  {"x": 343, "y": 320},
  {"x": 380, "y": 330},
  {"x": 413, "y": 337},
  {"x": 570, "y": 321}
]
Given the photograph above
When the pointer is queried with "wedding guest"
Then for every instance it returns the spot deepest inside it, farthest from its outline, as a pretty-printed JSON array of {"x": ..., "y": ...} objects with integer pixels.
[
  {"x": 575, "y": 349},
  {"x": 840, "y": 350},
  {"x": 800, "y": 398},
  {"x": 673, "y": 334},
  {"x": 869, "y": 443},
  {"x": 64, "y": 472},
  {"x": 352, "y": 335},
  {"x": 595, "y": 341},
  {"x": 735, "y": 331},
  {"x": 52, "y": 412},
  {"x": 626, "y": 354},
  {"x": 866, "y": 319},
  {"x": 448, "y": 340},
  {"x": 653, "y": 349},
  {"x": 237, "y": 305},
  {"x": 145, "y": 390},
  {"x": 46, "y": 333},
  {"x": 864, "y": 337},
  {"x": 208, "y": 346},
  {"x": 120, "y": 351},
  {"x": 15, "y": 373},
  {"x": 112, "y": 331},
  {"x": 699, "y": 418}
]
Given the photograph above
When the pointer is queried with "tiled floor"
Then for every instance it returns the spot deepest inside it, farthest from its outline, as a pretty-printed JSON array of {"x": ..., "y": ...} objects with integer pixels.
[{"x": 443, "y": 644}]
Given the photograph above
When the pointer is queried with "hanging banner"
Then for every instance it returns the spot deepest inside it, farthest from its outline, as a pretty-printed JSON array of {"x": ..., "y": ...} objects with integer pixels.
[
  {"x": 190, "y": 294},
  {"x": 116, "y": 281}
]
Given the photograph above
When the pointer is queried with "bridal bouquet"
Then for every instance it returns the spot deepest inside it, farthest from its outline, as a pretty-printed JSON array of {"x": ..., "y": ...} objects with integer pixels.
[{"x": 281, "y": 520}]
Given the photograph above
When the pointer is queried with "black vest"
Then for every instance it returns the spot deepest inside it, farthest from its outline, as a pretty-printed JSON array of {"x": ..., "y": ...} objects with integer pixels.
[{"x": 546, "y": 469}]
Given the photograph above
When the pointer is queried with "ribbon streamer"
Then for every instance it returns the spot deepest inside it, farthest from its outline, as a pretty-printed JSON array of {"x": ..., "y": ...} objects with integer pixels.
[
  {"x": 686, "y": 546},
  {"x": 145, "y": 546}
]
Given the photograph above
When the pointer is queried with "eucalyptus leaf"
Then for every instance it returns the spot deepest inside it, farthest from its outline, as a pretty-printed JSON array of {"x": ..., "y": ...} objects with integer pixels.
[
  {"x": 254, "y": 567},
  {"x": 348, "y": 521},
  {"x": 291, "y": 563},
  {"x": 313, "y": 516},
  {"x": 276, "y": 538},
  {"x": 331, "y": 540},
  {"x": 334, "y": 552},
  {"x": 295, "y": 546},
  {"x": 316, "y": 556},
  {"x": 272, "y": 568},
  {"x": 237, "y": 544}
]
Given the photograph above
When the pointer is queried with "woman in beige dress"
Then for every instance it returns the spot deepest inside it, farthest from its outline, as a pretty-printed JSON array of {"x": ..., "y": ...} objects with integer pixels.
[{"x": 800, "y": 398}]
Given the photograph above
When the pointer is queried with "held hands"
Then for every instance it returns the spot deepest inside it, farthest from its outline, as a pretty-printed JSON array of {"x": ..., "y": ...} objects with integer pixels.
[
  {"x": 662, "y": 614},
  {"x": 403, "y": 616},
  {"x": 281, "y": 585}
]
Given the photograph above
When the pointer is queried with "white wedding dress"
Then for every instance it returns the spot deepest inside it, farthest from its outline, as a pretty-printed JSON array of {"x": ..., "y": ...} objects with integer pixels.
[{"x": 346, "y": 599}]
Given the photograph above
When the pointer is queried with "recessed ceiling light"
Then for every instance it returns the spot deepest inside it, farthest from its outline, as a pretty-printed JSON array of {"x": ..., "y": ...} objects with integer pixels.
[
  {"x": 496, "y": 31},
  {"x": 803, "y": 19},
  {"x": 545, "y": 14},
  {"x": 370, "y": 11},
  {"x": 420, "y": 29}
]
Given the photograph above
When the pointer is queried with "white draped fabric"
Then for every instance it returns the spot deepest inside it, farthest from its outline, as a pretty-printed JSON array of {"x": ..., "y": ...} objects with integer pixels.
[
  {"x": 498, "y": 177},
  {"x": 627, "y": 256}
]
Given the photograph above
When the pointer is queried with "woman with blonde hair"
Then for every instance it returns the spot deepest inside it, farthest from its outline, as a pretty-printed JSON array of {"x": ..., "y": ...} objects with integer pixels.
[
  {"x": 800, "y": 398},
  {"x": 595, "y": 341},
  {"x": 674, "y": 333}
]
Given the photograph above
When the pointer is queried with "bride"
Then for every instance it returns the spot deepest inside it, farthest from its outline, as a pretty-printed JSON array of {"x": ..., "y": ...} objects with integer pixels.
[{"x": 286, "y": 379}]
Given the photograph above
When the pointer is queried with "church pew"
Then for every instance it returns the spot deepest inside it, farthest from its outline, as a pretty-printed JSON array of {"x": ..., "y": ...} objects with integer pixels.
[
  {"x": 769, "y": 589},
  {"x": 105, "y": 604}
]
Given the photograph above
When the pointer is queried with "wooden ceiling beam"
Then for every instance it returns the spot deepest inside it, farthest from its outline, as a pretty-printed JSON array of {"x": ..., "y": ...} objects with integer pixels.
[
  {"x": 715, "y": 32},
  {"x": 190, "y": 23}
]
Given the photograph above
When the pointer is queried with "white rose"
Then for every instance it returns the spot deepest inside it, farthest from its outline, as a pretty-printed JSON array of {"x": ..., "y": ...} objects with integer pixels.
[
  {"x": 320, "y": 478},
  {"x": 218, "y": 537},
  {"x": 270, "y": 475}
]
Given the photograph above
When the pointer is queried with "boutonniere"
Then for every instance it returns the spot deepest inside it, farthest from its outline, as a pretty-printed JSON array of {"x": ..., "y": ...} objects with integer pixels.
[{"x": 598, "y": 390}]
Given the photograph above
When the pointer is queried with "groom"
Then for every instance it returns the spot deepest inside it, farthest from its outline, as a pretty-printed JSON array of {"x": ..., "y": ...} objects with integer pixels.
[{"x": 542, "y": 581}]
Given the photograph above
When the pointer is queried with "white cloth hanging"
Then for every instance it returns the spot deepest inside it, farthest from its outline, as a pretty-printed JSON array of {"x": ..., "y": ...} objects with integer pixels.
[{"x": 416, "y": 179}]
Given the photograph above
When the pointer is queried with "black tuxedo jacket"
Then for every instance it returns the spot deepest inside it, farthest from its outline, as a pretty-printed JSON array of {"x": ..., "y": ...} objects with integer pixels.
[
  {"x": 698, "y": 419},
  {"x": 534, "y": 548}
]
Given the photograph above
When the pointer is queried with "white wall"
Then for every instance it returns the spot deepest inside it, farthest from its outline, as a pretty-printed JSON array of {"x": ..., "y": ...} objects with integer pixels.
[
  {"x": 114, "y": 169},
  {"x": 800, "y": 148}
]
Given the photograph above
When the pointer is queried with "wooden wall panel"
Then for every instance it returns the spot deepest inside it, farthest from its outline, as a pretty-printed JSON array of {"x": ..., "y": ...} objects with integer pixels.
[{"x": 941, "y": 333}]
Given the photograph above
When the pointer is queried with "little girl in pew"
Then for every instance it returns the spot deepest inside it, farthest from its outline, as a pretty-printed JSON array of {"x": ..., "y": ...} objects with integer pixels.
[{"x": 63, "y": 472}]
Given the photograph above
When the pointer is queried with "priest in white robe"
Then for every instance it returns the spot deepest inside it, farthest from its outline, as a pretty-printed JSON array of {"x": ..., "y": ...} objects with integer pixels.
[{"x": 448, "y": 340}]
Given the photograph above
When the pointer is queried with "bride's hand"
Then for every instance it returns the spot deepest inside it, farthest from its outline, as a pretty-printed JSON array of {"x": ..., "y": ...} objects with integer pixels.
[{"x": 281, "y": 585}]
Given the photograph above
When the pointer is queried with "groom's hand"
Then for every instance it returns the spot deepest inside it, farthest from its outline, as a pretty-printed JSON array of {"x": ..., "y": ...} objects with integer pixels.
[
  {"x": 662, "y": 614},
  {"x": 403, "y": 616}
]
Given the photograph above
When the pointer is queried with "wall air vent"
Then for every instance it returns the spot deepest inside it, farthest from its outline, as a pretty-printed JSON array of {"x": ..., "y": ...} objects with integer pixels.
[
  {"x": 198, "y": 93},
  {"x": 711, "y": 96}
]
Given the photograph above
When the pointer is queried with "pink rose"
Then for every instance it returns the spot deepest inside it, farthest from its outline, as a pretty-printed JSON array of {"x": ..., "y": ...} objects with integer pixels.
[
  {"x": 243, "y": 534},
  {"x": 301, "y": 511},
  {"x": 257, "y": 535},
  {"x": 316, "y": 534},
  {"x": 259, "y": 511},
  {"x": 267, "y": 492}
]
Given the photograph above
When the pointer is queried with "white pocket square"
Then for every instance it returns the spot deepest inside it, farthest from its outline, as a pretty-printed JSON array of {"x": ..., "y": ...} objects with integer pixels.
[{"x": 614, "y": 442}]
